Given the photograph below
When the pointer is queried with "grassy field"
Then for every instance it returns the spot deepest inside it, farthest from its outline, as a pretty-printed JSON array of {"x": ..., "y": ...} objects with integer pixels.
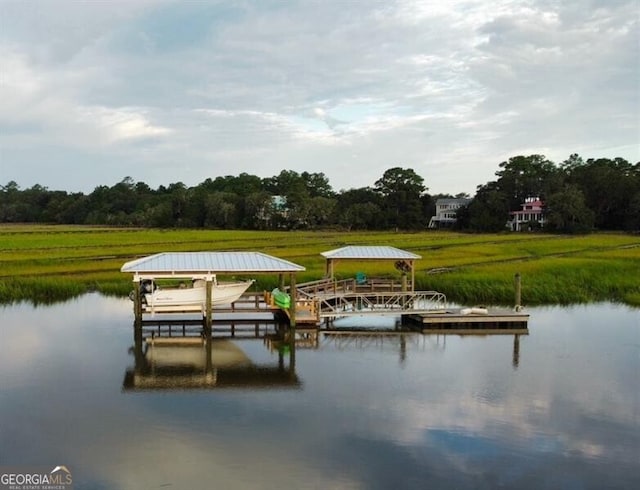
[{"x": 48, "y": 263}]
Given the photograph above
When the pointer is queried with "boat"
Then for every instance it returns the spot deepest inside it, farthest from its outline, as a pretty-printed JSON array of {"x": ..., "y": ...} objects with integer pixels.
[{"x": 222, "y": 293}]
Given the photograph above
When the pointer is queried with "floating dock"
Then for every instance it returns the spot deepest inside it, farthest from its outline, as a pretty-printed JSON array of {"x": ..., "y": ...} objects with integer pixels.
[{"x": 470, "y": 320}]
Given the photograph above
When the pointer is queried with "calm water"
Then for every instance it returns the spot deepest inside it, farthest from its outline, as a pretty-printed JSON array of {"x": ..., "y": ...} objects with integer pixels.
[{"x": 559, "y": 408}]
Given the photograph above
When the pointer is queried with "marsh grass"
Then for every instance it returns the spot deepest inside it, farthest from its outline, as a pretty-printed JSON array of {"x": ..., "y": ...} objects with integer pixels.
[
  {"x": 39, "y": 290},
  {"x": 51, "y": 263}
]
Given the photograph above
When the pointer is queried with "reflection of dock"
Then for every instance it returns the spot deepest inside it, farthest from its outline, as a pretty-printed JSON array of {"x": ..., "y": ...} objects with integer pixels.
[{"x": 184, "y": 357}]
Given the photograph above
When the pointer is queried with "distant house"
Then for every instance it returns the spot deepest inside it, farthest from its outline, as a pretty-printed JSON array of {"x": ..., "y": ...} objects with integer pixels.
[
  {"x": 446, "y": 209},
  {"x": 273, "y": 212},
  {"x": 531, "y": 215}
]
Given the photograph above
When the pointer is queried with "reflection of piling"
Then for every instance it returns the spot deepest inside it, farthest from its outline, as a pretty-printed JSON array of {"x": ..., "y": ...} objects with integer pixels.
[
  {"x": 208, "y": 367},
  {"x": 516, "y": 351},
  {"x": 138, "y": 353},
  {"x": 518, "y": 288}
]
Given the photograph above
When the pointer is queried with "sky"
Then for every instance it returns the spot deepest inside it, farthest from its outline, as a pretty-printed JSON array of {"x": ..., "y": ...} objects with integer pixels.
[{"x": 179, "y": 91}]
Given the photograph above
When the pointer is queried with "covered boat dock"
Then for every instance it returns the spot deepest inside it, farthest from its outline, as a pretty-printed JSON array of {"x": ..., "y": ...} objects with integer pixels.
[{"x": 208, "y": 266}]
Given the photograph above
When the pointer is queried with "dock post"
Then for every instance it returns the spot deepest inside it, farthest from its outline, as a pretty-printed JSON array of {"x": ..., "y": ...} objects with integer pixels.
[
  {"x": 292, "y": 307},
  {"x": 137, "y": 301},
  {"x": 208, "y": 300},
  {"x": 413, "y": 276},
  {"x": 518, "y": 288}
]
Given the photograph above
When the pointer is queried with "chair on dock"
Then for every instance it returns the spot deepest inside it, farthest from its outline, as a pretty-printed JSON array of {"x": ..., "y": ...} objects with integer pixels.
[{"x": 361, "y": 278}]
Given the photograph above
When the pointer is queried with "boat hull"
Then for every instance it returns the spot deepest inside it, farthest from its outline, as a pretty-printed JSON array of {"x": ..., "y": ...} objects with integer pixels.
[{"x": 223, "y": 293}]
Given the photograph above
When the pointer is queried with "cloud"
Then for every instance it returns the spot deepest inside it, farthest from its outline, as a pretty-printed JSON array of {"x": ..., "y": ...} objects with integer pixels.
[{"x": 448, "y": 88}]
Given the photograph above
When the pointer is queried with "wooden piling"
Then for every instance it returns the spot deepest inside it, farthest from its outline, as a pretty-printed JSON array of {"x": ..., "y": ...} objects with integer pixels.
[
  {"x": 518, "y": 288},
  {"x": 292, "y": 294},
  {"x": 208, "y": 301},
  {"x": 137, "y": 301}
]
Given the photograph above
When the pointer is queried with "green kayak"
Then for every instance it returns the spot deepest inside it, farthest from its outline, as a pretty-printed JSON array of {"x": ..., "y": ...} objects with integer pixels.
[{"x": 280, "y": 298}]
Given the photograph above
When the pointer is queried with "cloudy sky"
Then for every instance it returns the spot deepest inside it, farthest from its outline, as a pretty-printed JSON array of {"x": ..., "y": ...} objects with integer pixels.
[{"x": 169, "y": 91}]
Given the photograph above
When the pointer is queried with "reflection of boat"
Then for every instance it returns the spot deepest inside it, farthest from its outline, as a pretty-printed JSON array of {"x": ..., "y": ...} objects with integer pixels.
[
  {"x": 191, "y": 352},
  {"x": 222, "y": 293},
  {"x": 179, "y": 363}
]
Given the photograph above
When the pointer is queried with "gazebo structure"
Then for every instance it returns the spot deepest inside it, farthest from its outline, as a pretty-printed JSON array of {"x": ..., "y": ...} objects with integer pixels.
[
  {"x": 208, "y": 265},
  {"x": 404, "y": 261}
]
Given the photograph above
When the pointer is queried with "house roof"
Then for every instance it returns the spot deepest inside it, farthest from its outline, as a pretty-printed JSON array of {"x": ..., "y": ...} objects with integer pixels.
[
  {"x": 453, "y": 200},
  {"x": 370, "y": 253},
  {"x": 187, "y": 263}
]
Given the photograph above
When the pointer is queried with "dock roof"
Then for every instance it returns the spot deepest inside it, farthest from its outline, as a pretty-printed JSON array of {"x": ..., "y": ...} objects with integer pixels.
[
  {"x": 188, "y": 263},
  {"x": 370, "y": 253}
]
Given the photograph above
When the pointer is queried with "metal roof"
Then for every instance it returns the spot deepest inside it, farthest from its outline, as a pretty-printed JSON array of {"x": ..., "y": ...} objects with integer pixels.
[
  {"x": 453, "y": 200},
  {"x": 370, "y": 253},
  {"x": 210, "y": 263}
]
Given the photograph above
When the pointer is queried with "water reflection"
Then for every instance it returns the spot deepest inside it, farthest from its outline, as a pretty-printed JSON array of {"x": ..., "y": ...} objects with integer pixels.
[
  {"x": 559, "y": 408},
  {"x": 197, "y": 360}
]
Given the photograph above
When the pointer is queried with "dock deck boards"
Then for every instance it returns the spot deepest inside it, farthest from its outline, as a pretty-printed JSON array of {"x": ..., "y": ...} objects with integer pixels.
[{"x": 494, "y": 321}]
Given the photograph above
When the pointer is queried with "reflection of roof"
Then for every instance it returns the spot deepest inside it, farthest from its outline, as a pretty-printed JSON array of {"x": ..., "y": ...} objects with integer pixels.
[
  {"x": 370, "y": 253},
  {"x": 254, "y": 377},
  {"x": 210, "y": 262}
]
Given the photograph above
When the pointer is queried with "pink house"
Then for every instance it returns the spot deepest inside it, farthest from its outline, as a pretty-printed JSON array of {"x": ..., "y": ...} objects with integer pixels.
[{"x": 532, "y": 211}]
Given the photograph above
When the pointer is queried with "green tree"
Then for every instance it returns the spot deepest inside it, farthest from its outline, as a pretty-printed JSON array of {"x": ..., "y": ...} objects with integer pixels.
[
  {"x": 359, "y": 209},
  {"x": 567, "y": 212},
  {"x": 221, "y": 211},
  {"x": 522, "y": 177},
  {"x": 488, "y": 211},
  {"x": 632, "y": 219},
  {"x": 609, "y": 187},
  {"x": 361, "y": 216},
  {"x": 401, "y": 189},
  {"x": 317, "y": 184}
]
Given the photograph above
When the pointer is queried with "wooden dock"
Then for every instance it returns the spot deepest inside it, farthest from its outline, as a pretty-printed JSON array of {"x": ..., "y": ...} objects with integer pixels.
[{"x": 469, "y": 320}]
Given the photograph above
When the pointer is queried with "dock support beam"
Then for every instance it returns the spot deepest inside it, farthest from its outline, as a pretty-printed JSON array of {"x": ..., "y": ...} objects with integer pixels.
[
  {"x": 518, "y": 287},
  {"x": 137, "y": 301},
  {"x": 413, "y": 275},
  {"x": 292, "y": 307},
  {"x": 207, "y": 306}
]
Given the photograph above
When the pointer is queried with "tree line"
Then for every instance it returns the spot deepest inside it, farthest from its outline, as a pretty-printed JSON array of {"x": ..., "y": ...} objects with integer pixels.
[{"x": 579, "y": 196}]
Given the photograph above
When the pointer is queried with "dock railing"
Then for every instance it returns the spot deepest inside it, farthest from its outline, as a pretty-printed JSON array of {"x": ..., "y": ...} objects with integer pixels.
[
  {"x": 355, "y": 303},
  {"x": 333, "y": 287}
]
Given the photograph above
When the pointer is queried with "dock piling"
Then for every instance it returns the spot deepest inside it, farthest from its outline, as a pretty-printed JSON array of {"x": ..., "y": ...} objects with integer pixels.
[{"x": 518, "y": 288}]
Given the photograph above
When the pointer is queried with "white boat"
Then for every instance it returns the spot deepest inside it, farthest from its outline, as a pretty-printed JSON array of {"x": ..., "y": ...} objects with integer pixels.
[{"x": 222, "y": 293}]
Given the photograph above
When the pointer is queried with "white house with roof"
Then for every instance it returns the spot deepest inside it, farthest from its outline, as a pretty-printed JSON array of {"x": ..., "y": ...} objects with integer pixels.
[
  {"x": 531, "y": 214},
  {"x": 446, "y": 210}
]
